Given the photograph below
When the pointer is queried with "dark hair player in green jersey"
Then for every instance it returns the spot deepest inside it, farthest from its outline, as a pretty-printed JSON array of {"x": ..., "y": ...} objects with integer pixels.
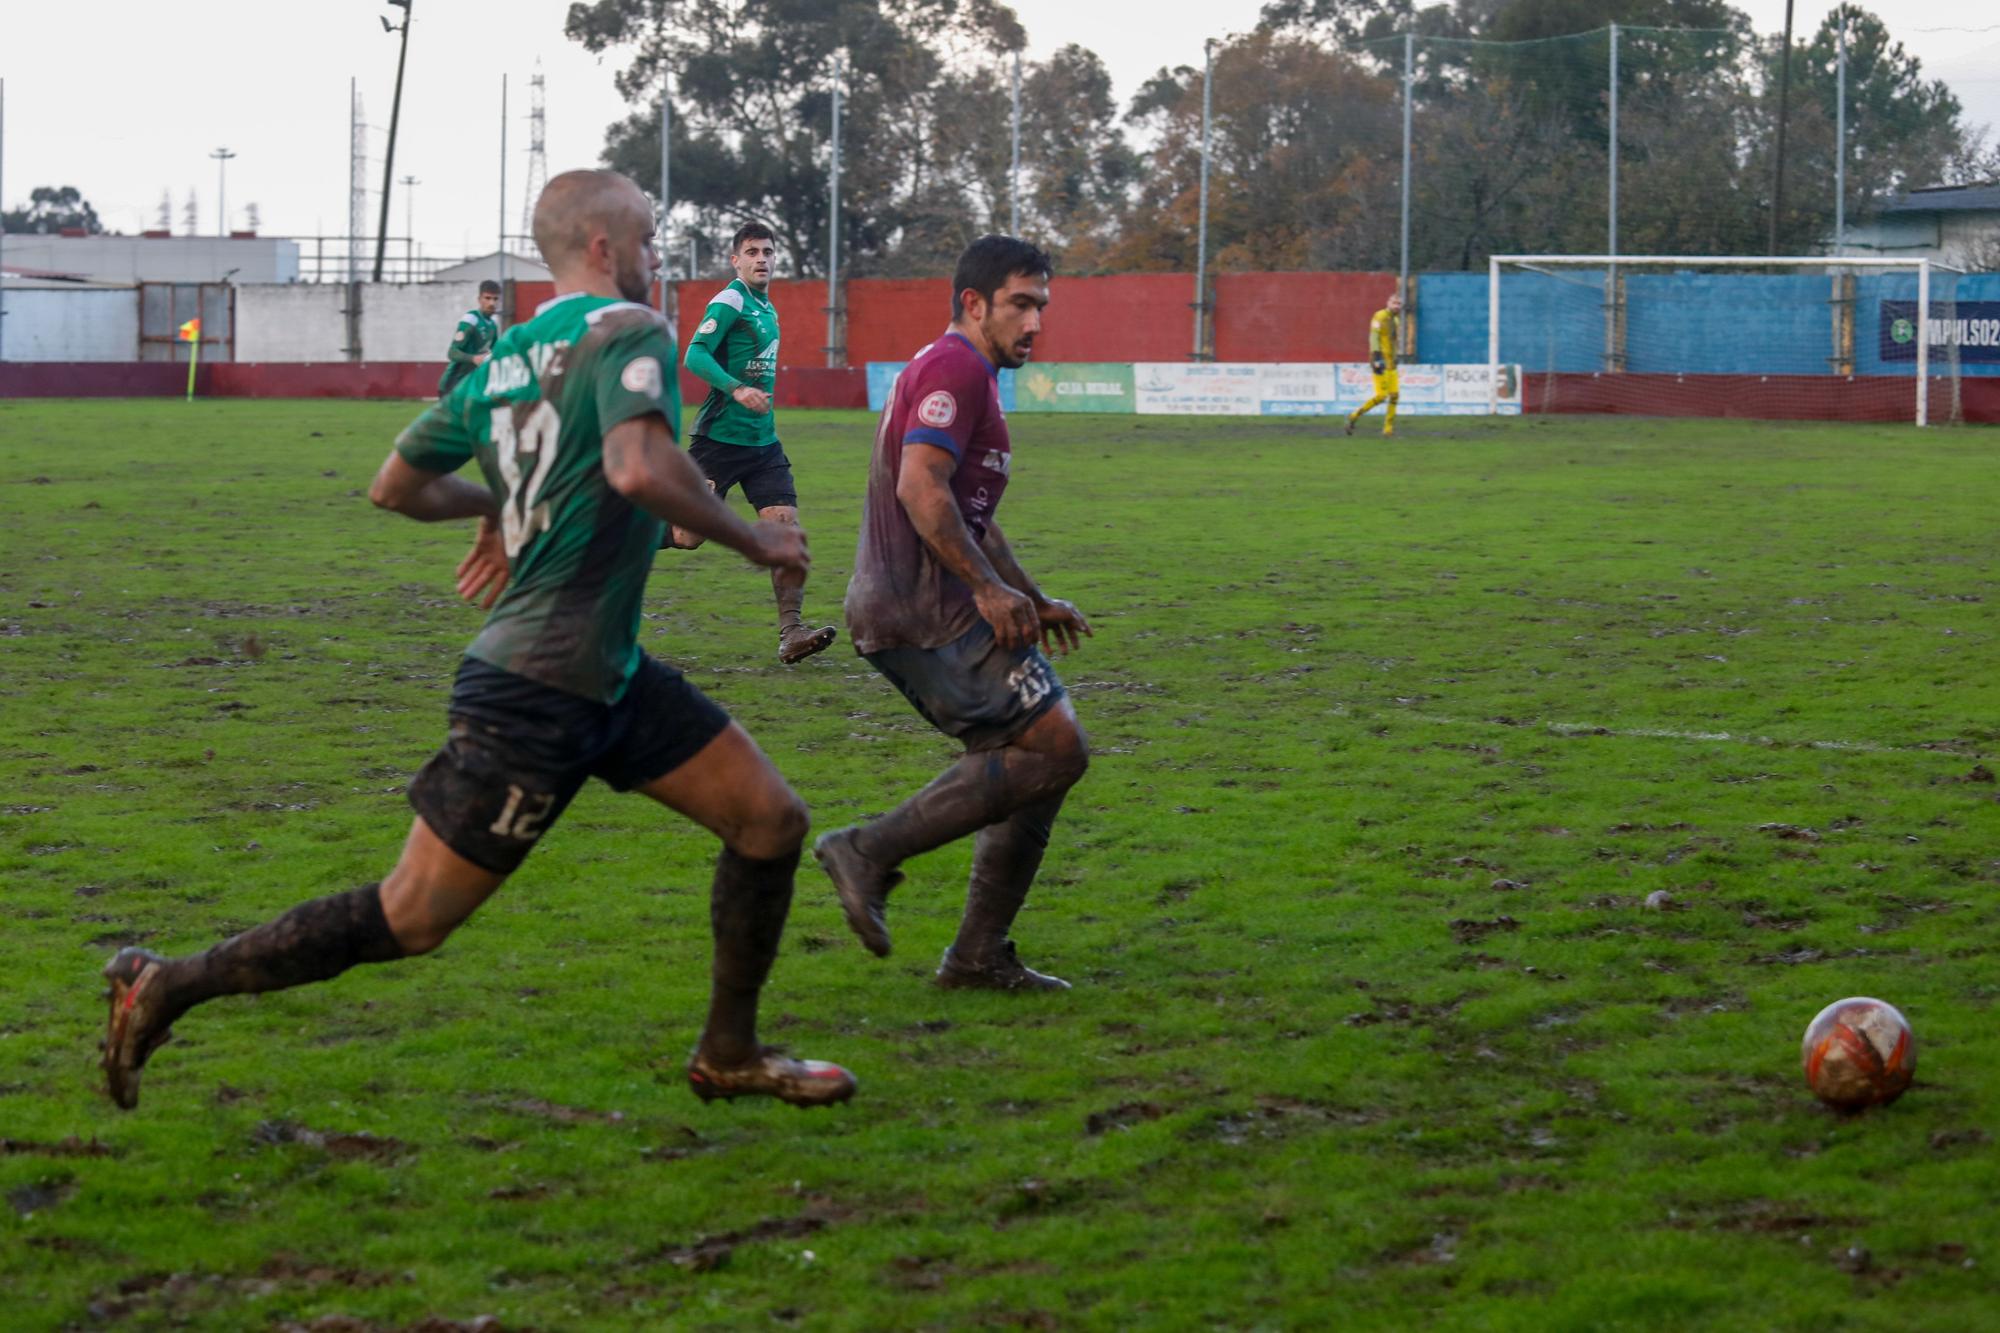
[
  {"x": 735, "y": 436},
  {"x": 472, "y": 342},
  {"x": 572, "y": 421}
]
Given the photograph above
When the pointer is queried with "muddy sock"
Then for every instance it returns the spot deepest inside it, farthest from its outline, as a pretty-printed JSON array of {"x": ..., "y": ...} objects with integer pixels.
[
  {"x": 790, "y": 588},
  {"x": 746, "y": 911},
  {"x": 1004, "y": 861},
  {"x": 312, "y": 942},
  {"x": 983, "y": 787}
]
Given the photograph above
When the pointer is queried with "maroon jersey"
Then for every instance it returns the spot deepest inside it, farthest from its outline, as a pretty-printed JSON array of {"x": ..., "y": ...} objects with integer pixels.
[{"x": 900, "y": 596}]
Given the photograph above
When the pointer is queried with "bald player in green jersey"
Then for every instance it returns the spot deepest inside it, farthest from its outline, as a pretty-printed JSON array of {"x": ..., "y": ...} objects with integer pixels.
[
  {"x": 572, "y": 423},
  {"x": 735, "y": 352},
  {"x": 472, "y": 342}
]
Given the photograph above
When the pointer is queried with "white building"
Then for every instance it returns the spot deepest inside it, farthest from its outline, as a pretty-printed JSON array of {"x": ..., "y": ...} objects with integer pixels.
[
  {"x": 1953, "y": 224},
  {"x": 156, "y": 258},
  {"x": 520, "y": 268}
]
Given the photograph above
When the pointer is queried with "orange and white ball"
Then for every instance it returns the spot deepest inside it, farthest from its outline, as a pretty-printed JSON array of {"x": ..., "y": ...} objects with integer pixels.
[{"x": 1859, "y": 1052}]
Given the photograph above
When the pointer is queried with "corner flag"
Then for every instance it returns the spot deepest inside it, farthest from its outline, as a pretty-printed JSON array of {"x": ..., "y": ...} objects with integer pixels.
[{"x": 191, "y": 334}]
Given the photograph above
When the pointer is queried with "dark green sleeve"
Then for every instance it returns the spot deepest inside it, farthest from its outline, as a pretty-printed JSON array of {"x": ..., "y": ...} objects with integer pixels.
[
  {"x": 707, "y": 341},
  {"x": 458, "y": 353},
  {"x": 438, "y": 441},
  {"x": 636, "y": 376}
]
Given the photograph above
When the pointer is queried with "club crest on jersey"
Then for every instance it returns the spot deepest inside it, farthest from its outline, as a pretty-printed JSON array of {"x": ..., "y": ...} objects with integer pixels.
[
  {"x": 642, "y": 376},
  {"x": 707, "y": 326},
  {"x": 940, "y": 410}
]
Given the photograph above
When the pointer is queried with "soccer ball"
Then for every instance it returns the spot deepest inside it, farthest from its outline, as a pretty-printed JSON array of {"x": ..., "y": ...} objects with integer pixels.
[{"x": 1859, "y": 1052}]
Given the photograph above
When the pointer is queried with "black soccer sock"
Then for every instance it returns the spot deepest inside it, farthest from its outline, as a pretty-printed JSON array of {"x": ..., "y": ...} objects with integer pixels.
[
  {"x": 747, "y": 905},
  {"x": 983, "y": 787},
  {"x": 314, "y": 941},
  {"x": 1004, "y": 861}
]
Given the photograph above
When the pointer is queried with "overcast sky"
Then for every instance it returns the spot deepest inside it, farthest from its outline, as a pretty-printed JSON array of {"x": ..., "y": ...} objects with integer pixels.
[{"x": 126, "y": 98}]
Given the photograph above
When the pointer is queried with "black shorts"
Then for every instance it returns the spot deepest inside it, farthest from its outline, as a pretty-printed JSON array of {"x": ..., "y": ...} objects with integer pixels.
[
  {"x": 520, "y": 750},
  {"x": 973, "y": 689},
  {"x": 762, "y": 470}
]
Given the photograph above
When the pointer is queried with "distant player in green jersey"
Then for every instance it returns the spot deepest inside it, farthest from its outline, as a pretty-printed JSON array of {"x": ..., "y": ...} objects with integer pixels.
[
  {"x": 735, "y": 351},
  {"x": 473, "y": 342},
  {"x": 572, "y": 422},
  {"x": 1382, "y": 332}
]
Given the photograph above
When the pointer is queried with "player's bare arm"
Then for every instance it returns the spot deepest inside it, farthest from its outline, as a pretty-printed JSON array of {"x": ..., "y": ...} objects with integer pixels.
[
  {"x": 642, "y": 464},
  {"x": 923, "y": 488},
  {"x": 429, "y": 497},
  {"x": 1061, "y": 622}
]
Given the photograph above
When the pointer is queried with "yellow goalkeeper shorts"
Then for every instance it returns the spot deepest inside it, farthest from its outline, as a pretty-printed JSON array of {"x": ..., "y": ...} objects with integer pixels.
[{"x": 1385, "y": 384}]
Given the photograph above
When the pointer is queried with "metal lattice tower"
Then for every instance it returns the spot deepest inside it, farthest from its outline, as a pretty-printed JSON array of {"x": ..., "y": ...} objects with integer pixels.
[
  {"x": 357, "y": 182},
  {"x": 538, "y": 153}
]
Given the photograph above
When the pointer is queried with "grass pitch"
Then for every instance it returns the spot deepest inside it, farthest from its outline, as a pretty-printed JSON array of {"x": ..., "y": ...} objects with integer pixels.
[{"x": 1372, "y": 1027}]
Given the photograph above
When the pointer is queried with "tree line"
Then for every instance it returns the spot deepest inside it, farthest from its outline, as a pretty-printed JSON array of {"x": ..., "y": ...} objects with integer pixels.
[{"x": 1510, "y": 111}]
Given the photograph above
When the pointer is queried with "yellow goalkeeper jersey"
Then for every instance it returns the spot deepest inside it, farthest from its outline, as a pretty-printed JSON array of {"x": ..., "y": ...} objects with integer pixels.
[{"x": 1382, "y": 337}]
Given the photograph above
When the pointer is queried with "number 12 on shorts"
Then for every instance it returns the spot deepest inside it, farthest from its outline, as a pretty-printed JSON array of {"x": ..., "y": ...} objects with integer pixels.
[{"x": 524, "y": 815}]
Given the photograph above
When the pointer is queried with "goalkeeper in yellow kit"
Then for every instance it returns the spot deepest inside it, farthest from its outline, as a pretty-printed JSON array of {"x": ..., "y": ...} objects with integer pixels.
[{"x": 1382, "y": 330}]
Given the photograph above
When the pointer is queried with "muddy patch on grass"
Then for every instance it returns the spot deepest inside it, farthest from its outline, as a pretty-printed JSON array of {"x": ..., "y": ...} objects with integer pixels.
[
  {"x": 1122, "y": 1116},
  {"x": 68, "y": 1147},
  {"x": 1274, "y": 1117},
  {"x": 712, "y": 1252},
  {"x": 1468, "y": 931},
  {"x": 358, "y": 1146}
]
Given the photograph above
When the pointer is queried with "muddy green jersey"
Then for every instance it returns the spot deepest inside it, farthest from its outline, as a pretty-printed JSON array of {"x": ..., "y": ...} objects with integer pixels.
[
  {"x": 535, "y": 416},
  {"x": 476, "y": 333},
  {"x": 736, "y": 343}
]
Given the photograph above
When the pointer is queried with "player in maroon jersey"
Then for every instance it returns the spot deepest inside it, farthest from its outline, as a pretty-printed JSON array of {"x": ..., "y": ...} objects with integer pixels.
[{"x": 940, "y": 606}]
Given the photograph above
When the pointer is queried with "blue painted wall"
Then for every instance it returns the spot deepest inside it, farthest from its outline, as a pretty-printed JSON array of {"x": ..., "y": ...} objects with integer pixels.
[{"x": 1693, "y": 323}]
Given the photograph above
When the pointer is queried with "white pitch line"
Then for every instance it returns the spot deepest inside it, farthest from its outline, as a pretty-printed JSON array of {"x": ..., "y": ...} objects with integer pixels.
[{"x": 1668, "y": 734}]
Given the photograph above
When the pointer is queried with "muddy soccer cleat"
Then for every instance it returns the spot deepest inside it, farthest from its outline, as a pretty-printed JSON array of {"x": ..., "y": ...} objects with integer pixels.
[
  {"x": 1350, "y": 426},
  {"x": 137, "y": 1027},
  {"x": 863, "y": 887},
  {"x": 771, "y": 1073},
  {"x": 1003, "y": 971},
  {"x": 800, "y": 642}
]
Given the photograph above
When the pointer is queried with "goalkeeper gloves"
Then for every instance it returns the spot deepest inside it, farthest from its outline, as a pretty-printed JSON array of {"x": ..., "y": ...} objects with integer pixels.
[{"x": 1377, "y": 364}]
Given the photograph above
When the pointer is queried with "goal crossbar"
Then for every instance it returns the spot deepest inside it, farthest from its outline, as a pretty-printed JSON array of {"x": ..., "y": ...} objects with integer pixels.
[{"x": 1923, "y": 268}]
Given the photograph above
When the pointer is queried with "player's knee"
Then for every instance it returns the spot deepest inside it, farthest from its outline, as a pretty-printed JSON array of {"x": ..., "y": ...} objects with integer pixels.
[
  {"x": 779, "y": 514},
  {"x": 687, "y": 541},
  {"x": 775, "y": 827}
]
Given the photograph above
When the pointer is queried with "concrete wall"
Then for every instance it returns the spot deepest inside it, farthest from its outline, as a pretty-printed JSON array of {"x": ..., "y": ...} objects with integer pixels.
[
  {"x": 52, "y": 324},
  {"x": 301, "y": 322},
  {"x": 157, "y": 258},
  {"x": 411, "y": 323},
  {"x": 292, "y": 322}
]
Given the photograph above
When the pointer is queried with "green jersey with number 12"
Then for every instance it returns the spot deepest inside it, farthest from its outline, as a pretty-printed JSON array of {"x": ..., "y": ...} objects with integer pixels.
[{"x": 535, "y": 415}]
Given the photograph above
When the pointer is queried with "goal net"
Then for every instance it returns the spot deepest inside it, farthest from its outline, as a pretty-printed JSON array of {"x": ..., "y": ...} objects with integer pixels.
[{"x": 1826, "y": 339}]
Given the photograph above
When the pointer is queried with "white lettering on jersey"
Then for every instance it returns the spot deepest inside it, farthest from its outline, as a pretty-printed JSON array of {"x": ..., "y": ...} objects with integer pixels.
[{"x": 939, "y": 410}]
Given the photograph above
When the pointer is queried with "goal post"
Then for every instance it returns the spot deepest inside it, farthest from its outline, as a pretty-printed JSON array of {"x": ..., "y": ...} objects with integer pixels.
[{"x": 1793, "y": 338}]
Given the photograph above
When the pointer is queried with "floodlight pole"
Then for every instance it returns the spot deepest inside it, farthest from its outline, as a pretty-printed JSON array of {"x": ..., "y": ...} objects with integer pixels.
[
  {"x": 395, "y": 114},
  {"x": 410, "y": 184},
  {"x": 222, "y": 156},
  {"x": 1840, "y": 133},
  {"x": 1014, "y": 170},
  {"x": 1612, "y": 235},
  {"x": 833, "y": 232},
  {"x": 1201, "y": 225},
  {"x": 667, "y": 197},
  {"x": 1409, "y": 84},
  {"x": 502, "y": 253},
  {"x": 1784, "y": 96}
]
